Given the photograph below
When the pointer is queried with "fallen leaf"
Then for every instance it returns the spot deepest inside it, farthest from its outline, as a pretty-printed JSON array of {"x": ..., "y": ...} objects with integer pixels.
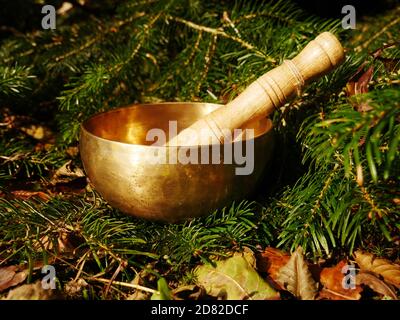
[
  {"x": 388, "y": 270},
  {"x": 139, "y": 279},
  {"x": 188, "y": 292},
  {"x": 376, "y": 284},
  {"x": 66, "y": 173},
  {"x": 270, "y": 261},
  {"x": 10, "y": 277},
  {"x": 65, "y": 242},
  {"x": 363, "y": 82},
  {"x": 32, "y": 291},
  {"x": 235, "y": 279},
  {"x": 26, "y": 195},
  {"x": 332, "y": 280},
  {"x": 296, "y": 278},
  {"x": 358, "y": 87}
]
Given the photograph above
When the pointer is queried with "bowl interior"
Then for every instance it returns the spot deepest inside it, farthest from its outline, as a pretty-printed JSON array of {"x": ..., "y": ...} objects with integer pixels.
[{"x": 131, "y": 124}]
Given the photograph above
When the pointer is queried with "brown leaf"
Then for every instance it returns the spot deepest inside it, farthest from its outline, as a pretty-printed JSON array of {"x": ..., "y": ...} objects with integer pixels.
[
  {"x": 26, "y": 195},
  {"x": 32, "y": 291},
  {"x": 188, "y": 292},
  {"x": 296, "y": 278},
  {"x": 271, "y": 261},
  {"x": 67, "y": 173},
  {"x": 332, "y": 280},
  {"x": 65, "y": 242},
  {"x": 10, "y": 277},
  {"x": 388, "y": 270},
  {"x": 364, "y": 80},
  {"x": 6, "y": 275},
  {"x": 376, "y": 284},
  {"x": 360, "y": 86}
]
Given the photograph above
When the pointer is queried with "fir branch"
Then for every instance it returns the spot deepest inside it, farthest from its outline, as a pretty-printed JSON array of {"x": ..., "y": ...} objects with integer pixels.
[
  {"x": 370, "y": 137},
  {"x": 220, "y": 32},
  {"x": 15, "y": 80},
  {"x": 379, "y": 33}
]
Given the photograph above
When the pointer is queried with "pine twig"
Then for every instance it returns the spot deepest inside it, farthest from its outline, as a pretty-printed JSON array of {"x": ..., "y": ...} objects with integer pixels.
[
  {"x": 220, "y": 32},
  {"x": 123, "y": 284}
]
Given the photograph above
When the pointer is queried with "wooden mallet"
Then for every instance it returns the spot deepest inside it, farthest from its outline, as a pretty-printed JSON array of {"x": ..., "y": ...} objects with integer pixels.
[{"x": 267, "y": 93}]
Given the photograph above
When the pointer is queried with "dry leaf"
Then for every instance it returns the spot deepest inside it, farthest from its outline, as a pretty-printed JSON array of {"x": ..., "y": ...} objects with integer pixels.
[
  {"x": 10, "y": 277},
  {"x": 235, "y": 279},
  {"x": 32, "y": 291},
  {"x": 376, "y": 284},
  {"x": 332, "y": 280},
  {"x": 388, "y": 270},
  {"x": 271, "y": 261},
  {"x": 64, "y": 243},
  {"x": 188, "y": 292},
  {"x": 360, "y": 86},
  {"x": 296, "y": 278},
  {"x": 26, "y": 195},
  {"x": 67, "y": 173}
]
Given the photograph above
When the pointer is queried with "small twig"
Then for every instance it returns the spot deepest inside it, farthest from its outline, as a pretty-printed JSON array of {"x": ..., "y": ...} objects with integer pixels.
[
  {"x": 121, "y": 267},
  {"x": 124, "y": 284},
  {"x": 91, "y": 42},
  {"x": 16, "y": 156},
  {"x": 376, "y": 35},
  {"x": 317, "y": 203},
  {"x": 193, "y": 52},
  {"x": 146, "y": 28},
  {"x": 207, "y": 59},
  {"x": 225, "y": 17},
  {"x": 264, "y": 14},
  {"x": 82, "y": 260},
  {"x": 220, "y": 32},
  {"x": 371, "y": 202}
]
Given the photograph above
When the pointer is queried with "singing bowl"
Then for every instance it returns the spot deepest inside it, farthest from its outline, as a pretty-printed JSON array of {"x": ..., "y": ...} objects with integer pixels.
[{"x": 115, "y": 156}]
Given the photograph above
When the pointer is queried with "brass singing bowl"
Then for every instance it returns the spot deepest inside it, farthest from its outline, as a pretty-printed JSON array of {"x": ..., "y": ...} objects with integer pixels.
[{"x": 115, "y": 155}]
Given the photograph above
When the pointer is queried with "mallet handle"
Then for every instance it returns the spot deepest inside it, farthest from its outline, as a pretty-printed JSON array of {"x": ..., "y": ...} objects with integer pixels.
[{"x": 267, "y": 93}]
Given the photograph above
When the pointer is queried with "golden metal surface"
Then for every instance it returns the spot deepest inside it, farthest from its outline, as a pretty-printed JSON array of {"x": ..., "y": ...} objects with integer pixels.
[{"x": 115, "y": 156}]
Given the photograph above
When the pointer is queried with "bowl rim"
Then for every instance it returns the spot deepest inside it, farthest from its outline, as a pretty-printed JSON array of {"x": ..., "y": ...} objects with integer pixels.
[{"x": 135, "y": 105}]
